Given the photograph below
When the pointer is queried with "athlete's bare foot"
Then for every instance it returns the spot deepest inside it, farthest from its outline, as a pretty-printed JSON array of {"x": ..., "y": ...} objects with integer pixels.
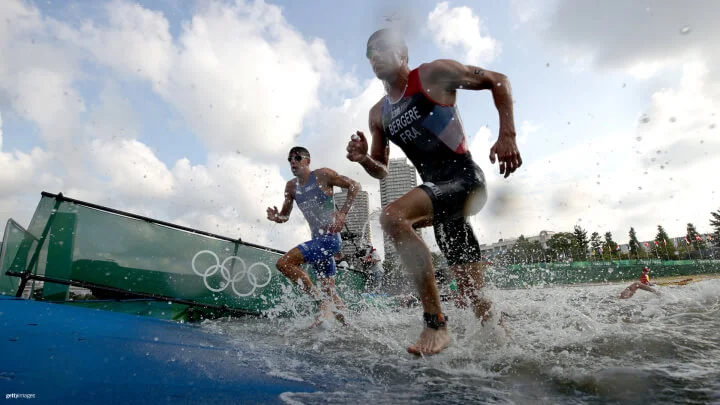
[
  {"x": 324, "y": 316},
  {"x": 490, "y": 317},
  {"x": 482, "y": 310},
  {"x": 340, "y": 318},
  {"x": 327, "y": 316},
  {"x": 431, "y": 341}
]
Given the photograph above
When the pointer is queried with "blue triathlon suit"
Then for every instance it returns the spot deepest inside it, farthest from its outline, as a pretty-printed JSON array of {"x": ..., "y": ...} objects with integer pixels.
[
  {"x": 319, "y": 211},
  {"x": 433, "y": 138}
]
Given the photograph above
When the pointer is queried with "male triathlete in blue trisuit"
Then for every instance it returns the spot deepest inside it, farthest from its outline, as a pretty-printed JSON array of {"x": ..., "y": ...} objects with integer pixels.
[
  {"x": 313, "y": 193},
  {"x": 419, "y": 115}
]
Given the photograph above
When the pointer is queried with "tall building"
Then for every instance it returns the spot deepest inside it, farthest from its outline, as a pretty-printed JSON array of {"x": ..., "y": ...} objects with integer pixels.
[
  {"x": 357, "y": 231},
  {"x": 401, "y": 178}
]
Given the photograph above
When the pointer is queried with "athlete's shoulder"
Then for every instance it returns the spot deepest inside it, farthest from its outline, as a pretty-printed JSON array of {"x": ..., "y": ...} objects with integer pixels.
[
  {"x": 440, "y": 68},
  {"x": 324, "y": 173},
  {"x": 377, "y": 107},
  {"x": 375, "y": 115}
]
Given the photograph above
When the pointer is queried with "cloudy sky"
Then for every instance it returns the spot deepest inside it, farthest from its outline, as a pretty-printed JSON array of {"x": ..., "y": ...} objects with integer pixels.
[{"x": 184, "y": 111}]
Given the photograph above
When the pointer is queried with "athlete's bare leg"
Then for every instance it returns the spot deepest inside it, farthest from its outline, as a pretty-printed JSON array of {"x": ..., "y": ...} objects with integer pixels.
[
  {"x": 289, "y": 266},
  {"x": 332, "y": 306},
  {"x": 470, "y": 280},
  {"x": 398, "y": 220}
]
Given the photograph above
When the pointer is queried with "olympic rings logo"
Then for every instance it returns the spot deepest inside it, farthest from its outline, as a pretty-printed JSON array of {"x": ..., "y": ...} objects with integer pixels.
[{"x": 244, "y": 276}]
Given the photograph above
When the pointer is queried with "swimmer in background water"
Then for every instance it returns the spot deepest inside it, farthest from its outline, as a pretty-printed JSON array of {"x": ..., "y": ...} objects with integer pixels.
[
  {"x": 645, "y": 276},
  {"x": 630, "y": 290},
  {"x": 643, "y": 284}
]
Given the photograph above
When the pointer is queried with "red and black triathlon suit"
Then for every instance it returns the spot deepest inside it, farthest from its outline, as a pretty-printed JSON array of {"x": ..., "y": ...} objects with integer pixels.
[{"x": 433, "y": 138}]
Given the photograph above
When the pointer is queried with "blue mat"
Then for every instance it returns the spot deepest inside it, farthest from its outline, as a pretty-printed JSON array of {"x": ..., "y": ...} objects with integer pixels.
[{"x": 64, "y": 354}]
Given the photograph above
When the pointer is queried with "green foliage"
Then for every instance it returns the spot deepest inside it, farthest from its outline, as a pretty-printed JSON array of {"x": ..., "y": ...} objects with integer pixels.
[
  {"x": 715, "y": 224},
  {"x": 610, "y": 247},
  {"x": 664, "y": 247},
  {"x": 633, "y": 244},
  {"x": 696, "y": 241},
  {"x": 561, "y": 246},
  {"x": 595, "y": 245},
  {"x": 582, "y": 243}
]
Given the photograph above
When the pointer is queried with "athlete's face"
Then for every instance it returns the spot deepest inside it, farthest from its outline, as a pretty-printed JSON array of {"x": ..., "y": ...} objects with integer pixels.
[
  {"x": 297, "y": 162},
  {"x": 385, "y": 57}
]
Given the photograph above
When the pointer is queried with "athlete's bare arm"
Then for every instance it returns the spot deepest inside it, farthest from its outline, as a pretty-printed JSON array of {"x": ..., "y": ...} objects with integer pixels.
[
  {"x": 284, "y": 214},
  {"x": 328, "y": 178},
  {"x": 332, "y": 179},
  {"x": 445, "y": 76},
  {"x": 376, "y": 163}
]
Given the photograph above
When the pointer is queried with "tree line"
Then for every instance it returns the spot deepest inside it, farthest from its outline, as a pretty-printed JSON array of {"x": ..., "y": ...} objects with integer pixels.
[{"x": 577, "y": 246}]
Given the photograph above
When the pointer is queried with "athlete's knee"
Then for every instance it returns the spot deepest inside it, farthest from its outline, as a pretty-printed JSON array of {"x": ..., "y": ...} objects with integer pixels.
[
  {"x": 282, "y": 263},
  {"x": 393, "y": 221},
  {"x": 285, "y": 262}
]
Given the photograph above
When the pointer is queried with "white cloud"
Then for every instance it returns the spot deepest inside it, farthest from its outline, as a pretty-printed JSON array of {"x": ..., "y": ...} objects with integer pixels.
[
  {"x": 113, "y": 116},
  {"x": 460, "y": 27},
  {"x": 132, "y": 168},
  {"x": 643, "y": 38},
  {"x": 136, "y": 40},
  {"x": 242, "y": 78},
  {"x": 526, "y": 128},
  {"x": 645, "y": 70},
  {"x": 245, "y": 80},
  {"x": 653, "y": 174}
]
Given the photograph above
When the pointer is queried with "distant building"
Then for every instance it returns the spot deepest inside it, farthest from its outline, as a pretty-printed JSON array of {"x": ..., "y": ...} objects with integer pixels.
[
  {"x": 504, "y": 245},
  {"x": 401, "y": 178}
]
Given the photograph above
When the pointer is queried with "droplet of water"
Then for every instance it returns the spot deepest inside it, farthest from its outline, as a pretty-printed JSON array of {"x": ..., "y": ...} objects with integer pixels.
[{"x": 685, "y": 30}]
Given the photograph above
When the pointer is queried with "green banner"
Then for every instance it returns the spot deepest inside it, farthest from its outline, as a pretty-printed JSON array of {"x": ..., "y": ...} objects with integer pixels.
[
  {"x": 83, "y": 244},
  {"x": 527, "y": 275}
]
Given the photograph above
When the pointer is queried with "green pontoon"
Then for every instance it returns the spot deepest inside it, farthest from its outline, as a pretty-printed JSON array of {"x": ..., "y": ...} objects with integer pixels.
[{"x": 78, "y": 253}]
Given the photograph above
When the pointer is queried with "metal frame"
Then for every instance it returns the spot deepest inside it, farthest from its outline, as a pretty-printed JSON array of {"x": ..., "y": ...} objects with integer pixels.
[{"x": 60, "y": 197}]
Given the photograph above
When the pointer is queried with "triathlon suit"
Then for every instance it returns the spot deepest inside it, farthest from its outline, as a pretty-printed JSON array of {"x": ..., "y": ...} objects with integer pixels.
[
  {"x": 433, "y": 138},
  {"x": 319, "y": 211}
]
